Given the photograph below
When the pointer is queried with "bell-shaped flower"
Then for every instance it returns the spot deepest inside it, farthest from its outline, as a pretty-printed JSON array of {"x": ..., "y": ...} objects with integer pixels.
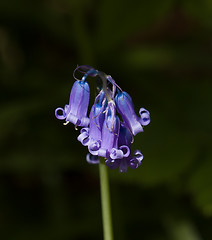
[
  {"x": 91, "y": 136},
  {"x": 125, "y": 108},
  {"x": 110, "y": 134},
  {"x": 110, "y": 131},
  {"x": 125, "y": 139},
  {"x": 76, "y": 111}
]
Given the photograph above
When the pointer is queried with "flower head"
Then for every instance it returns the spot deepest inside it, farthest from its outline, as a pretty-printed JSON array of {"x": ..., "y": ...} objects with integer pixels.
[{"x": 106, "y": 134}]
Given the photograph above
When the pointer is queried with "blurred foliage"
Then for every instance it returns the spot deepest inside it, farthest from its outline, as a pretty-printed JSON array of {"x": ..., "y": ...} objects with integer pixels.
[{"x": 158, "y": 51}]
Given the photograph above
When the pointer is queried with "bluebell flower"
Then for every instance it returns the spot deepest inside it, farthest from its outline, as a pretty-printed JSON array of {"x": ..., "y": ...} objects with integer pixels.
[
  {"x": 125, "y": 139},
  {"x": 125, "y": 108},
  {"x": 110, "y": 131},
  {"x": 76, "y": 111},
  {"x": 92, "y": 136},
  {"x": 105, "y": 133}
]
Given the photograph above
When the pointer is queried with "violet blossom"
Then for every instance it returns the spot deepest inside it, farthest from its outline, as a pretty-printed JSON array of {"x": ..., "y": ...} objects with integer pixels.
[{"x": 108, "y": 131}]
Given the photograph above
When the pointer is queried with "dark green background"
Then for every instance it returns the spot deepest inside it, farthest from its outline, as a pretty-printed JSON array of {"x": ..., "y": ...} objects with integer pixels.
[{"x": 157, "y": 51}]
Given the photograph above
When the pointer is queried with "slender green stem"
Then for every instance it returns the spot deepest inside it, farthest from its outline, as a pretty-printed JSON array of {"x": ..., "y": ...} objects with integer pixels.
[{"x": 105, "y": 199}]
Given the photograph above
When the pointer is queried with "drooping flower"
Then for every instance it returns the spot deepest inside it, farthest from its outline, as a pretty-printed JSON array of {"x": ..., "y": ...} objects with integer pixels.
[
  {"x": 105, "y": 133},
  {"x": 125, "y": 108},
  {"x": 76, "y": 111},
  {"x": 125, "y": 139},
  {"x": 110, "y": 131},
  {"x": 92, "y": 136}
]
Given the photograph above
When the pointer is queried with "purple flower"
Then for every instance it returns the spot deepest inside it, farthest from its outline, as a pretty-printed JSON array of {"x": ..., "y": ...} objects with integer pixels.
[
  {"x": 92, "y": 136},
  {"x": 110, "y": 131},
  {"x": 125, "y": 138},
  {"x": 125, "y": 108},
  {"x": 105, "y": 133},
  {"x": 76, "y": 111}
]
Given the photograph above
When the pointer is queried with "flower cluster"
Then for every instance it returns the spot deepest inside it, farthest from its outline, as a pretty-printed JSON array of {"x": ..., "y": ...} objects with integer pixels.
[{"x": 109, "y": 130}]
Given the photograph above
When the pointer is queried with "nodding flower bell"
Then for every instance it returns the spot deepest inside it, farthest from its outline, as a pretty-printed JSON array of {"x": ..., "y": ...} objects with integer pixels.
[
  {"x": 125, "y": 108},
  {"x": 125, "y": 140},
  {"x": 105, "y": 134},
  {"x": 92, "y": 136},
  {"x": 110, "y": 131},
  {"x": 76, "y": 111}
]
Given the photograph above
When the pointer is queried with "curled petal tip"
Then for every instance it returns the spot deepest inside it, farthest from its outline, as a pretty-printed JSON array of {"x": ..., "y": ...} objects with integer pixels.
[
  {"x": 92, "y": 159},
  {"x": 126, "y": 150},
  {"x": 145, "y": 116},
  {"x": 116, "y": 154},
  {"x": 94, "y": 147},
  {"x": 83, "y": 138},
  {"x": 59, "y": 116}
]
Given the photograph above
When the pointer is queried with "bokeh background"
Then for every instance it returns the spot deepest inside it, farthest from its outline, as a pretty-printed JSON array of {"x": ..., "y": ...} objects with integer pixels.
[{"x": 160, "y": 53}]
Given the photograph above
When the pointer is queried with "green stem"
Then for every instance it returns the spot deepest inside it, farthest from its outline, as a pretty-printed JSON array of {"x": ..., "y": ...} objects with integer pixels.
[{"x": 105, "y": 199}]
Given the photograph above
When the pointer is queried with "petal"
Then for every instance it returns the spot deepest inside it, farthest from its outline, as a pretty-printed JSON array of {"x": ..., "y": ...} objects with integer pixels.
[
  {"x": 123, "y": 165},
  {"x": 126, "y": 150},
  {"x": 92, "y": 159},
  {"x": 58, "y": 116},
  {"x": 145, "y": 116},
  {"x": 110, "y": 130},
  {"x": 139, "y": 156},
  {"x": 84, "y": 130},
  {"x": 83, "y": 138},
  {"x": 94, "y": 147},
  {"x": 136, "y": 160},
  {"x": 116, "y": 154},
  {"x": 73, "y": 119},
  {"x": 66, "y": 109},
  {"x": 133, "y": 163},
  {"x": 81, "y": 99},
  {"x": 78, "y": 104},
  {"x": 84, "y": 122},
  {"x": 96, "y": 121},
  {"x": 112, "y": 164},
  {"x": 103, "y": 153},
  {"x": 125, "y": 136}
]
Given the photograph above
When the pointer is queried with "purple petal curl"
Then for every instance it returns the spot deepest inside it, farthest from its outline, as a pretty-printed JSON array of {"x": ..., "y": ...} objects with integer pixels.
[
  {"x": 60, "y": 116},
  {"x": 125, "y": 162},
  {"x": 123, "y": 151},
  {"x": 84, "y": 136},
  {"x": 145, "y": 116},
  {"x": 92, "y": 159},
  {"x": 94, "y": 146},
  {"x": 136, "y": 160}
]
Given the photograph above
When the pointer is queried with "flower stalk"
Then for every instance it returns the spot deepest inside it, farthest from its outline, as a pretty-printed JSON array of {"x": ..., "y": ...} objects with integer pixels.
[{"x": 105, "y": 200}]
